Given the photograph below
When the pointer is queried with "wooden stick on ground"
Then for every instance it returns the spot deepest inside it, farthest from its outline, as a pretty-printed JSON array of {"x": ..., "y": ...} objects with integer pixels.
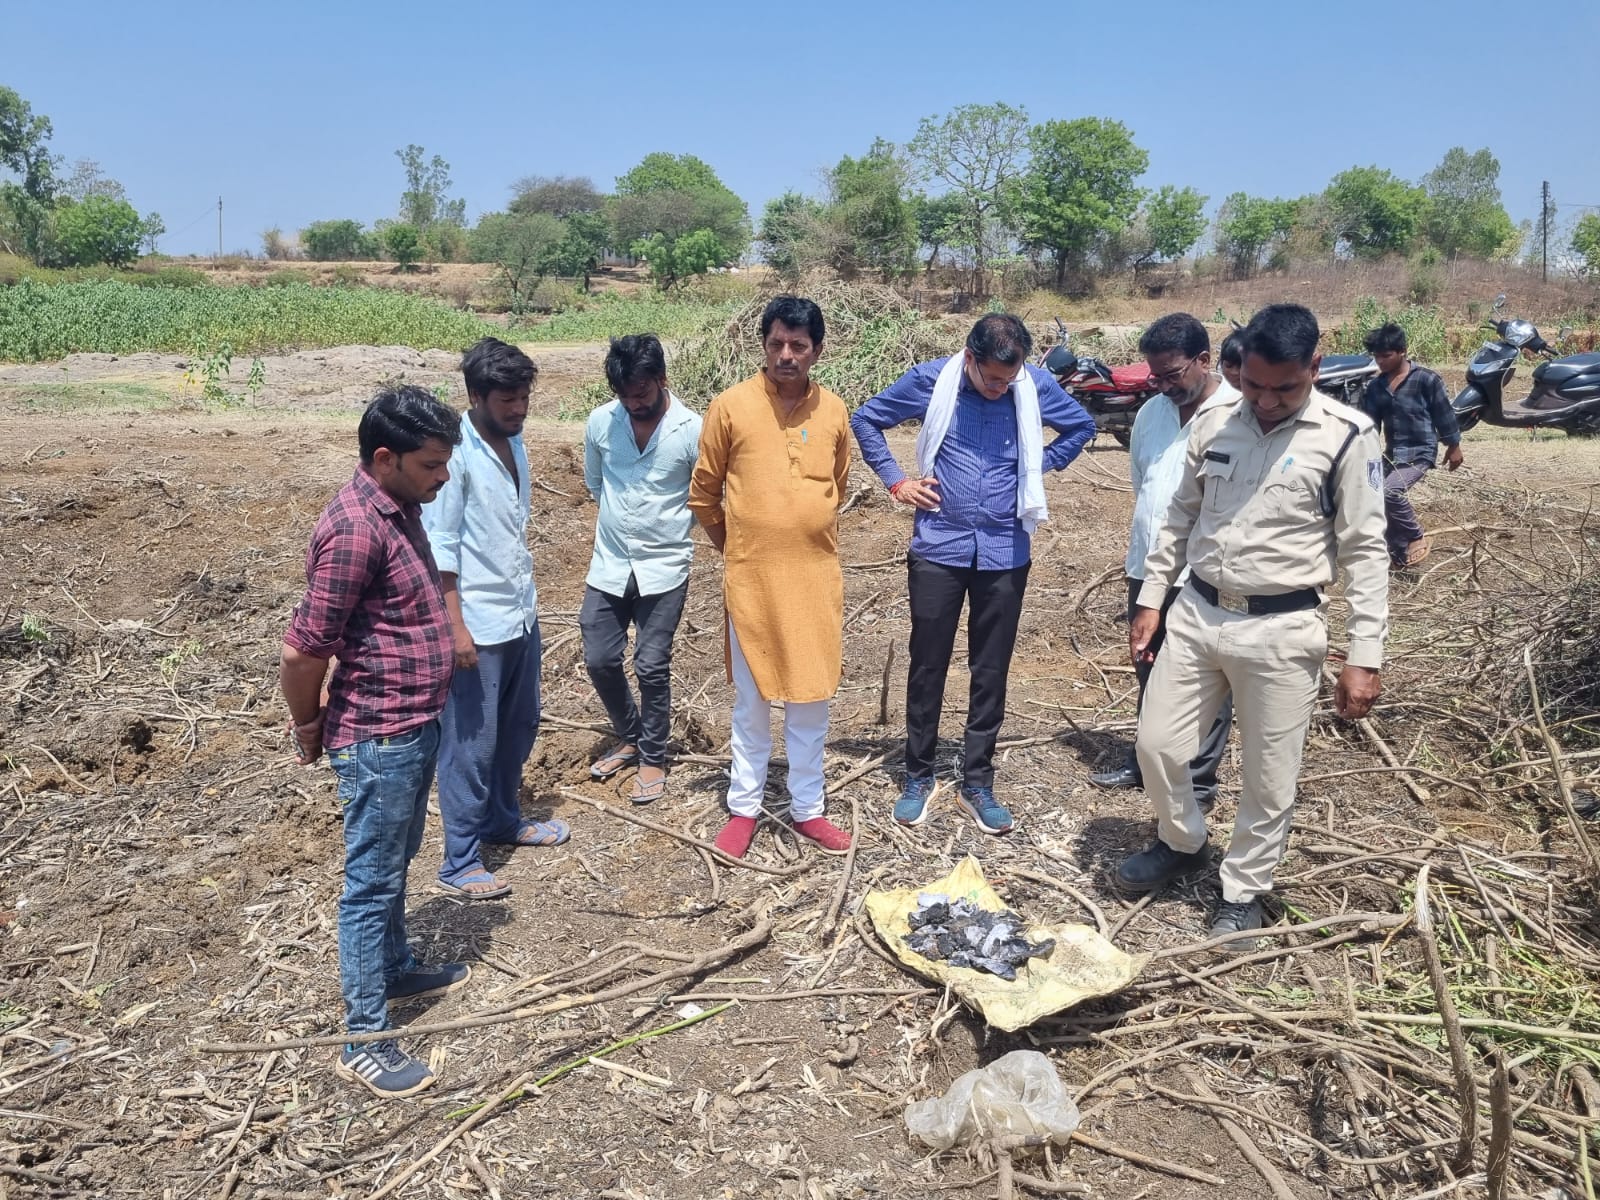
[
  {"x": 1558, "y": 767},
  {"x": 1460, "y": 1060},
  {"x": 443, "y": 1143},
  {"x": 1144, "y": 1160},
  {"x": 1241, "y": 1139},
  {"x": 657, "y": 827}
]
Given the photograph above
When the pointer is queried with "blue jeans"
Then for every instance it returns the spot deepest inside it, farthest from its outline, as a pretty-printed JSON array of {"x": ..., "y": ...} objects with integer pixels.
[
  {"x": 383, "y": 788},
  {"x": 488, "y": 728}
]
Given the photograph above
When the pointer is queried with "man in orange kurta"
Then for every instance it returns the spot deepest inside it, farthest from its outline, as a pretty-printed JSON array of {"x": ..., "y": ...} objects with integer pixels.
[{"x": 774, "y": 460}]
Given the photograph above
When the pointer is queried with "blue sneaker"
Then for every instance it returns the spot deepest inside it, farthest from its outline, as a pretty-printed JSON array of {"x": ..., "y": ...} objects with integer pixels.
[
  {"x": 912, "y": 807},
  {"x": 384, "y": 1069},
  {"x": 989, "y": 813},
  {"x": 424, "y": 981}
]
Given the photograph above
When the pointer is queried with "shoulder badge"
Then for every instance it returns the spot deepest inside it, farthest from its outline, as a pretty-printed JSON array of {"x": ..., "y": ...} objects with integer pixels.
[{"x": 1375, "y": 473}]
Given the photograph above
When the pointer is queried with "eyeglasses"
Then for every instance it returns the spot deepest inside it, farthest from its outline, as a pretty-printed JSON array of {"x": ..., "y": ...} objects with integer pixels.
[
  {"x": 995, "y": 385},
  {"x": 1168, "y": 378}
]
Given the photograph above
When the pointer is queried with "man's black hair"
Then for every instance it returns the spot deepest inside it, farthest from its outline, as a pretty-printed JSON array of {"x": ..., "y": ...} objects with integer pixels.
[
  {"x": 1175, "y": 333},
  {"x": 1282, "y": 333},
  {"x": 496, "y": 366},
  {"x": 1000, "y": 338},
  {"x": 635, "y": 358},
  {"x": 1385, "y": 338},
  {"x": 797, "y": 313},
  {"x": 400, "y": 419},
  {"x": 1231, "y": 352}
]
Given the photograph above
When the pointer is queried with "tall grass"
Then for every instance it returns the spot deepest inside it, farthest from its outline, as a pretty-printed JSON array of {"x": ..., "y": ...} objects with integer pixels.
[
  {"x": 612, "y": 315},
  {"x": 48, "y": 321}
]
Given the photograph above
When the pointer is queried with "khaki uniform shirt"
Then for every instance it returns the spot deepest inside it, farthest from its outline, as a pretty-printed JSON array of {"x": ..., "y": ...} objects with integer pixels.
[{"x": 1247, "y": 517}]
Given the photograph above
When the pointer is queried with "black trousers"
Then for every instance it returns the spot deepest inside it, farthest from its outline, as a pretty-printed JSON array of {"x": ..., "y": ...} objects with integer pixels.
[
  {"x": 994, "y": 600},
  {"x": 1203, "y": 767}
]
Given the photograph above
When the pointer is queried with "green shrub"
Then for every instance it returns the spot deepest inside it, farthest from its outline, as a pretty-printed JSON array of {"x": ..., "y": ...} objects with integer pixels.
[
  {"x": 330, "y": 241},
  {"x": 612, "y": 315},
  {"x": 345, "y": 276},
  {"x": 49, "y": 321},
  {"x": 1428, "y": 339},
  {"x": 171, "y": 276}
]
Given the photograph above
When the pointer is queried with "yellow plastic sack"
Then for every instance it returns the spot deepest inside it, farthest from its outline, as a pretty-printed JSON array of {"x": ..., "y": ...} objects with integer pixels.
[{"x": 1082, "y": 966}]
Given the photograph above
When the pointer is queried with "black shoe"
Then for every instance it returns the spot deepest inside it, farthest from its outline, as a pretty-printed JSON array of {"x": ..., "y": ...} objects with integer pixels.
[
  {"x": 1120, "y": 777},
  {"x": 1236, "y": 917},
  {"x": 1205, "y": 800},
  {"x": 428, "y": 981},
  {"x": 1157, "y": 864}
]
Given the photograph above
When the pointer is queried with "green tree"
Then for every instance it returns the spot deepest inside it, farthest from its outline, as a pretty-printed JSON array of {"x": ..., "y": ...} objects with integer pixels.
[
  {"x": 25, "y": 201},
  {"x": 1174, "y": 220},
  {"x": 875, "y": 218},
  {"x": 96, "y": 230},
  {"x": 1373, "y": 212},
  {"x": 151, "y": 228},
  {"x": 975, "y": 150},
  {"x": 675, "y": 195},
  {"x": 1079, "y": 185},
  {"x": 1586, "y": 242},
  {"x": 672, "y": 261},
  {"x": 1248, "y": 226},
  {"x": 937, "y": 218},
  {"x": 426, "y": 201},
  {"x": 789, "y": 231},
  {"x": 525, "y": 247},
  {"x": 559, "y": 195},
  {"x": 1465, "y": 214},
  {"x": 333, "y": 241},
  {"x": 583, "y": 248},
  {"x": 403, "y": 243}
]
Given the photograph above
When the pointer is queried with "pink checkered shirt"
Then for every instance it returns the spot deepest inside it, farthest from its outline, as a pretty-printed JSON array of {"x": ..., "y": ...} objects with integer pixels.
[{"x": 373, "y": 600}]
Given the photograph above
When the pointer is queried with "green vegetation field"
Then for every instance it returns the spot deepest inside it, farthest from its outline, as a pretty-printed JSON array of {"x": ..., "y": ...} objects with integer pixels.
[
  {"x": 610, "y": 315},
  {"x": 42, "y": 322}
]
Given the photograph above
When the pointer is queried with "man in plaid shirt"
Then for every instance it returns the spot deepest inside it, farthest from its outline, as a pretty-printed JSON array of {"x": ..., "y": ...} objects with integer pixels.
[{"x": 373, "y": 602}]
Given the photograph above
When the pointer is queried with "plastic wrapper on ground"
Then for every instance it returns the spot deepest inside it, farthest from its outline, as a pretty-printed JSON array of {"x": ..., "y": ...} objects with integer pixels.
[
  {"x": 1017, "y": 1093},
  {"x": 1083, "y": 964}
]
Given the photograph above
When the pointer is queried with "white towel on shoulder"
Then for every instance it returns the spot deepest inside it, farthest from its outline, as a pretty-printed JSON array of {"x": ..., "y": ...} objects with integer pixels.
[{"x": 1031, "y": 508}]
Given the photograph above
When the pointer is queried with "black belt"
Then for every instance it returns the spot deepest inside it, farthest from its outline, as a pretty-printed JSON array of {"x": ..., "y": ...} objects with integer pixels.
[{"x": 1257, "y": 606}]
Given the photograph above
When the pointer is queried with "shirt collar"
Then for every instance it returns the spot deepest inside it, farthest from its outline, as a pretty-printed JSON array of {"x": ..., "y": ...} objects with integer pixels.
[
  {"x": 373, "y": 494},
  {"x": 1313, "y": 412}
]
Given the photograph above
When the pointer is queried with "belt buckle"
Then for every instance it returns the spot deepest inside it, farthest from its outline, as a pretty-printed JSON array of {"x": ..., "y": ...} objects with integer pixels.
[{"x": 1233, "y": 602}]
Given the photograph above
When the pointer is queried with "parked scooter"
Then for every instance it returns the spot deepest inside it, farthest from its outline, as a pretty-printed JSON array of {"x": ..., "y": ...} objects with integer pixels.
[{"x": 1566, "y": 391}]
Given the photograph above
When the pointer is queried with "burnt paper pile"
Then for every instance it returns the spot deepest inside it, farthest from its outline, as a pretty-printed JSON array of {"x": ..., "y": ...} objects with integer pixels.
[{"x": 962, "y": 934}]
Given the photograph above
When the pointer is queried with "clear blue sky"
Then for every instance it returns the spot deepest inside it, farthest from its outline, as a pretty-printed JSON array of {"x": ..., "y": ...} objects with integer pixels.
[{"x": 292, "y": 111}]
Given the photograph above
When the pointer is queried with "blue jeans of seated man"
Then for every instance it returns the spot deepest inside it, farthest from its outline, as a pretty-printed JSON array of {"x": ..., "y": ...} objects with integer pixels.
[
  {"x": 383, "y": 789},
  {"x": 488, "y": 729}
]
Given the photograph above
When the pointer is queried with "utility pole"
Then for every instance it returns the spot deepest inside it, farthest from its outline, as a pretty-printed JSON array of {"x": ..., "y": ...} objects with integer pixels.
[
  {"x": 1544, "y": 226},
  {"x": 219, "y": 227}
]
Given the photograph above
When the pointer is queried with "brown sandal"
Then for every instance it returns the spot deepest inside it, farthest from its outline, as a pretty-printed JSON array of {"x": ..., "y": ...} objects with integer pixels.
[{"x": 1418, "y": 550}]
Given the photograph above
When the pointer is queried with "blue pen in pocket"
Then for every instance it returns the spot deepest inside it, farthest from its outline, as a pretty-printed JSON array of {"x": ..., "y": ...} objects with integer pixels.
[{"x": 1287, "y": 463}]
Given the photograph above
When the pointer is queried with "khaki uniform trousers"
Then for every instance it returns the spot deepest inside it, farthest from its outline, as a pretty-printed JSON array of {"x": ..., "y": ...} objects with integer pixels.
[{"x": 1272, "y": 664}]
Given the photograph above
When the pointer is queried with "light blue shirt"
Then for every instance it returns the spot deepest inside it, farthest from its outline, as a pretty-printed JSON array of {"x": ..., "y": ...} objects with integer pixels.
[
  {"x": 478, "y": 528},
  {"x": 1156, "y": 454},
  {"x": 645, "y": 521}
]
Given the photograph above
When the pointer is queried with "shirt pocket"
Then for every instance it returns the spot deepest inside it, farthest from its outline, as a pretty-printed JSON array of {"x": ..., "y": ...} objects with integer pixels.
[
  {"x": 816, "y": 458},
  {"x": 1216, "y": 481},
  {"x": 1295, "y": 497}
]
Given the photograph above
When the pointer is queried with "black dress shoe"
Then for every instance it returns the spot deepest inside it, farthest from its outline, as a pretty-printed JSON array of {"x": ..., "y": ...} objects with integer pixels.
[
  {"x": 1239, "y": 916},
  {"x": 1157, "y": 864},
  {"x": 1121, "y": 777}
]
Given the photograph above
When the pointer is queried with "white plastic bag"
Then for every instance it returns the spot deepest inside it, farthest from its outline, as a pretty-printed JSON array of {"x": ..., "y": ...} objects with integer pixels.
[{"x": 1017, "y": 1093}]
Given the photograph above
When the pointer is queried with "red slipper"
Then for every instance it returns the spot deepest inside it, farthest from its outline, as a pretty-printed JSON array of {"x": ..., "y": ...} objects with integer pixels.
[
  {"x": 829, "y": 837},
  {"x": 736, "y": 836}
]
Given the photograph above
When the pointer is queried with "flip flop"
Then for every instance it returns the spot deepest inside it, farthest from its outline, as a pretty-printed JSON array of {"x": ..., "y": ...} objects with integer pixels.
[
  {"x": 618, "y": 762},
  {"x": 1418, "y": 550},
  {"x": 647, "y": 793},
  {"x": 542, "y": 833},
  {"x": 460, "y": 892}
]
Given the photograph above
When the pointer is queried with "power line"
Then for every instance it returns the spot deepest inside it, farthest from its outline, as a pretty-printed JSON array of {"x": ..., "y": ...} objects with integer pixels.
[{"x": 209, "y": 210}]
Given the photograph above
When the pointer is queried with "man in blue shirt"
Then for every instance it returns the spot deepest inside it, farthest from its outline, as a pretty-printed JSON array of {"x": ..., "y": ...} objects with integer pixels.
[
  {"x": 978, "y": 496},
  {"x": 1410, "y": 405},
  {"x": 478, "y": 528},
  {"x": 639, "y": 452}
]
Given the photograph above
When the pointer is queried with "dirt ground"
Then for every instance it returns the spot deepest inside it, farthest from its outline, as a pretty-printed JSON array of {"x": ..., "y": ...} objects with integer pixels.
[{"x": 168, "y": 879}]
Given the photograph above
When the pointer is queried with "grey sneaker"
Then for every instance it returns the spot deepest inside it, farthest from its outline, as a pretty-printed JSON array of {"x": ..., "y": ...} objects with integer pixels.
[
  {"x": 384, "y": 1069},
  {"x": 1237, "y": 917},
  {"x": 1158, "y": 864},
  {"x": 423, "y": 980}
]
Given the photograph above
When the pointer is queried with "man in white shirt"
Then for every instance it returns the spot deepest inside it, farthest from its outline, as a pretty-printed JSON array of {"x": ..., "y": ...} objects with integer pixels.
[
  {"x": 1178, "y": 350},
  {"x": 639, "y": 452},
  {"x": 478, "y": 529}
]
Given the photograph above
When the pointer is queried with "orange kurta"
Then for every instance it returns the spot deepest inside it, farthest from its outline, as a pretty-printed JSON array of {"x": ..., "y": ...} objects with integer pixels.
[{"x": 777, "y": 480}]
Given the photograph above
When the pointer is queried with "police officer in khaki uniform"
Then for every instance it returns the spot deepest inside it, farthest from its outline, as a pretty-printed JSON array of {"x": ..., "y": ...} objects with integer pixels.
[{"x": 1281, "y": 492}]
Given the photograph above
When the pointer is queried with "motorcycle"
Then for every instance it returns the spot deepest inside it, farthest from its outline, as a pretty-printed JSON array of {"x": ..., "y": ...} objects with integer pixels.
[
  {"x": 1565, "y": 393},
  {"x": 1111, "y": 395},
  {"x": 1114, "y": 395}
]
